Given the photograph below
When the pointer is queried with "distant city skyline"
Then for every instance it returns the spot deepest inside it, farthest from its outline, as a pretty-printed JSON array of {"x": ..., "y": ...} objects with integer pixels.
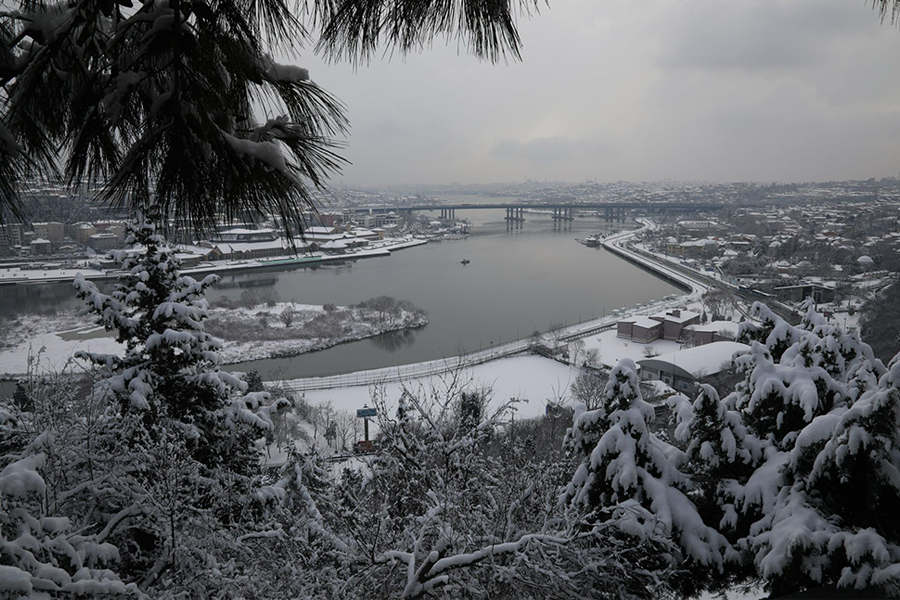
[{"x": 700, "y": 90}]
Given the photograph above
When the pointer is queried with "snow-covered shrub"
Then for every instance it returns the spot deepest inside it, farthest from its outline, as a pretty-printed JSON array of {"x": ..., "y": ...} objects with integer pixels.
[
  {"x": 456, "y": 503},
  {"x": 56, "y": 471}
]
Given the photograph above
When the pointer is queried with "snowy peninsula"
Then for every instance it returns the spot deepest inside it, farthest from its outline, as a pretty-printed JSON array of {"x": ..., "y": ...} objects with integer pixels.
[{"x": 247, "y": 333}]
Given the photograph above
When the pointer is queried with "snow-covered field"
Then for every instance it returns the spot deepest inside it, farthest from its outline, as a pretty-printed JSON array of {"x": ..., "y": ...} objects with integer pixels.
[
  {"x": 248, "y": 334},
  {"x": 49, "y": 342},
  {"x": 532, "y": 379},
  {"x": 612, "y": 349}
]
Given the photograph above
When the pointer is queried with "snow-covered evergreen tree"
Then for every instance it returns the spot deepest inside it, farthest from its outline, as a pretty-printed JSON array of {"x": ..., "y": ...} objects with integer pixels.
[
  {"x": 153, "y": 473},
  {"x": 808, "y": 400},
  {"x": 633, "y": 478},
  {"x": 718, "y": 454},
  {"x": 169, "y": 374},
  {"x": 855, "y": 480},
  {"x": 786, "y": 479}
]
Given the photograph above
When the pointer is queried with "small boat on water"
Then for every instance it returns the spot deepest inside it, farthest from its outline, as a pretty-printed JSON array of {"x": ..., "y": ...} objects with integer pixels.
[
  {"x": 592, "y": 241},
  {"x": 465, "y": 261}
]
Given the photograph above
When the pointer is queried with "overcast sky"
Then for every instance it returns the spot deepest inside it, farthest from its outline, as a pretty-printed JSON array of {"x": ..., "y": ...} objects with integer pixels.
[{"x": 717, "y": 90}]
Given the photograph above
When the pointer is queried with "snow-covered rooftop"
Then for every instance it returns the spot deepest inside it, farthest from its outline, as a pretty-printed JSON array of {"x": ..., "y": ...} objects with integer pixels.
[
  {"x": 645, "y": 322},
  {"x": 276, "y": 244},
  {"x": 244, "y": 230},
  {"x": 706, "y": 360},
  {"x": 682, "y": 316},
  {"x": 316, "y": 229}
]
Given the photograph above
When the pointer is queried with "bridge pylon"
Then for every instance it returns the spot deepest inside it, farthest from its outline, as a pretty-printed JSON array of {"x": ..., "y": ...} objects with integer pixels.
[
  {"x": 514, "y": 213},
  {"x": 564, "y": 213}
]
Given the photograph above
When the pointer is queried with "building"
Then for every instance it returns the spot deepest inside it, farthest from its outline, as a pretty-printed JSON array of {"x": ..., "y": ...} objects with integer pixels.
[
  {"x": 322, "y": 234},
  {"x": 674, "y": 247},
  {"x": 82, "y": 232},
  {"x": 40, "y": 246},
  {"x": 251, "y": 250},
  {"x": 328, "y": 219},
  {"x": 389, "y": 220},
  {"x": 699, "y": 248},
  {"x": 674, "y": 321},
  {"x": 798, "y": 293},
  {"x": 681, "y": 370},
  {"x": 52, "y": 231},
  {"x": 102, "y": 242},
  {"x": 10, "y": 237},
  {"x": 245, "y": 235},
  {"x": 639, "y": 329},
  {"x": 717, "y": 331},
  {"x": 117, "y": 228},
  {"x": 702, "y": 227}
]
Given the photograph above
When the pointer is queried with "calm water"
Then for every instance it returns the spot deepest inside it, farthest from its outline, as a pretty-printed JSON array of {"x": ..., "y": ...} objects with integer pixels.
[{"x": 519, "y": 280}]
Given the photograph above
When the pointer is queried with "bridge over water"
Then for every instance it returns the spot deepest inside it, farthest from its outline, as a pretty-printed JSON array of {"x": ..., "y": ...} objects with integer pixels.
[{"x": 564, "y": 210}]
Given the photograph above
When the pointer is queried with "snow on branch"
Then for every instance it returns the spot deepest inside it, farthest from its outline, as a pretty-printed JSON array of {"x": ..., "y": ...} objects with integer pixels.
[{"x": 281, "y": 73}]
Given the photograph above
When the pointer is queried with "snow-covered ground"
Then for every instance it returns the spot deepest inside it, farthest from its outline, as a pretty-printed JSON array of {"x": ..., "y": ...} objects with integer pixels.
[
  {"x": 49, "y": 342},
  {"x": 313, "y": 328},
  {"x": 532, "y": 379}
]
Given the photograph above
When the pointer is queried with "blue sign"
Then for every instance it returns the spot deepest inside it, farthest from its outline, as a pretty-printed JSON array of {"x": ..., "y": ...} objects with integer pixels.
[{"x": 363, "y": 413}]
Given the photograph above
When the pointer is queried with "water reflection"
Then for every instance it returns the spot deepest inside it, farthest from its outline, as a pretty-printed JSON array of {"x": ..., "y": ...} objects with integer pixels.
[{"x": 395, "y": 340}]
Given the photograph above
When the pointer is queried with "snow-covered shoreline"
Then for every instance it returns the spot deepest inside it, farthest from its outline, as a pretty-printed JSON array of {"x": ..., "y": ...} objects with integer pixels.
[
  {"x": 355, "y": 323},
  {"x": 254, "y": 347}
]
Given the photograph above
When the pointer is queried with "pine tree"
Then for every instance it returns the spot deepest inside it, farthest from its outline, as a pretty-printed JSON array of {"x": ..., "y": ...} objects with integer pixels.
[
  {"x": 634, "y": 479},
  {"x": 169, "y": 373},
  {"x": 717, "y": 456},
  {"x": 854, "y": 481},
  {"x": 157, "y": 101},
  {"x": 808, "y": 397},
  {"x": 185, "y": 430}
]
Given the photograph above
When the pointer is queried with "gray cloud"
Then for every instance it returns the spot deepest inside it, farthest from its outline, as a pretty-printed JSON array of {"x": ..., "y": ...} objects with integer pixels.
[
  {"x": 548, "y": 149},
  {"x": 698, "y": 89},
  {"x": 752, "y": 35}
]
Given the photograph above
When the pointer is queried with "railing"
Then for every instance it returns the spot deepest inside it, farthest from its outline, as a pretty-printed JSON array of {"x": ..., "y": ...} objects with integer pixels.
[
  {"x": 444, "y": 365},
  {"x": 405, "y": 372}
]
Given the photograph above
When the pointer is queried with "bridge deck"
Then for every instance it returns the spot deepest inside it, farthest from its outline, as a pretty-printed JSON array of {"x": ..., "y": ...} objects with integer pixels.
[{"x": 657, "y": 206}]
